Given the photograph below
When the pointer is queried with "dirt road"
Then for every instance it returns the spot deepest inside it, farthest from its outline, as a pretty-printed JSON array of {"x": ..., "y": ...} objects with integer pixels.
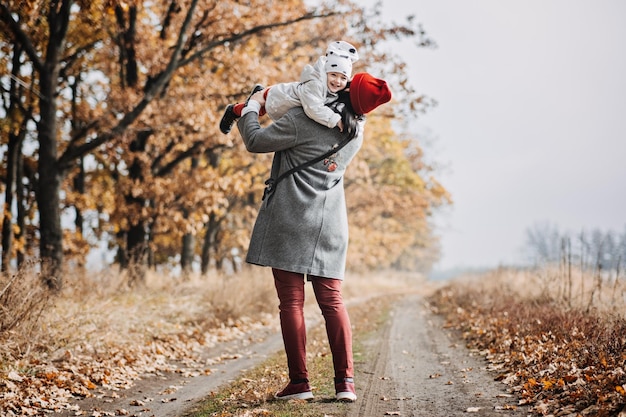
[
  {"x": 411, "y": 367},
  {"x": 415, "y": 368},
  {"x": 171, "y": 394}
]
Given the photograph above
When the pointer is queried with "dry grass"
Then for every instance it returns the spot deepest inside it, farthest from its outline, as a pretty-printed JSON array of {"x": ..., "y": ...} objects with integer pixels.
[
  {"x": 99, "y": 332},
  {"x": 22, "y": 302},
  {"x": 565, "y": 355},
  {"x": 569, "y": 287}
]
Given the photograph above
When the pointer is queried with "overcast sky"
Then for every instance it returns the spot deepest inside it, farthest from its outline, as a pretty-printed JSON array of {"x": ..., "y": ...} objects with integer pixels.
[{"x": 531, "y": 121}]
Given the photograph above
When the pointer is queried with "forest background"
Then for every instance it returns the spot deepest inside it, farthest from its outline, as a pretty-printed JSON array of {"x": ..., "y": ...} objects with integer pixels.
[{"x": 110, "y": 135}]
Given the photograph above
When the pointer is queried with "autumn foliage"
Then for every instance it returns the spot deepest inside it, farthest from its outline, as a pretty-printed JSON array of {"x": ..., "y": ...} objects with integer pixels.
[
  {"x": 560, "y": 359},
  {"x": 109, "y": 131}
]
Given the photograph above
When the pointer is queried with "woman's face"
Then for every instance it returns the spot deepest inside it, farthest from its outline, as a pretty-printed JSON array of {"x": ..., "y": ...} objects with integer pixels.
[{"x": 336, "y": 81}]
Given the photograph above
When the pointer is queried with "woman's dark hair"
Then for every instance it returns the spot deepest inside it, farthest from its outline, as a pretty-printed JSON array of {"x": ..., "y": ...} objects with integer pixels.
[{"x": 350, "y": 120}]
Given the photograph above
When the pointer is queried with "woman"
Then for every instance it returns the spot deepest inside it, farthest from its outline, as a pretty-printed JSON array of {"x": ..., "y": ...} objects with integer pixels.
[{"x": 302, "y": 225}]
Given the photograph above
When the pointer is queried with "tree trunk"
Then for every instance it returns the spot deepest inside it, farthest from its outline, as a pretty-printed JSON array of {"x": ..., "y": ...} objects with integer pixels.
[
  {"x": 21, "y": 197},
  {"x": 79, "y": 187},
  {"x": 50, "y": 174},
  {"x": 79, "y": 178},
  {"x": 13, "y": 153},
  {"x": 136, "y": 246},
  {"x": 136, "y": 236},
  {"x": 48, "y": 200},
  {"x": 187, "y": 253},
  {"x": 209, "y": 241},
  {"x": 189, "y": 240}
]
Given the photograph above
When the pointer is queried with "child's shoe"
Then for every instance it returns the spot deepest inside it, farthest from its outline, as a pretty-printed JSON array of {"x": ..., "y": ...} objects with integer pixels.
[{"x": 228, "y": 119}]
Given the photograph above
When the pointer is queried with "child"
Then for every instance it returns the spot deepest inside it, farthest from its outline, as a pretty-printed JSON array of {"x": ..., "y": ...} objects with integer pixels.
[{"x": 319, "y": 84}]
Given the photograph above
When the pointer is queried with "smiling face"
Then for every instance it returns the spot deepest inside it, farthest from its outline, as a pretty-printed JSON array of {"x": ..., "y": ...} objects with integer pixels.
[{"x": 336, "y": 81}]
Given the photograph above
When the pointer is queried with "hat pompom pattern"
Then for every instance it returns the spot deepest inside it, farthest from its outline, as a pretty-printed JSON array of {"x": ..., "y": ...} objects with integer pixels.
[
  {"x": 340, "y": 64},
  {"x": 368, "y": 92},
  {"x": 344, "y": 49}
]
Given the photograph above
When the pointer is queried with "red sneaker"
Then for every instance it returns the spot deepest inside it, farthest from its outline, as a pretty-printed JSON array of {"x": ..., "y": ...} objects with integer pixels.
[
  {"x": 344, "y": 389},
  {"x": 297, "y": 391}
]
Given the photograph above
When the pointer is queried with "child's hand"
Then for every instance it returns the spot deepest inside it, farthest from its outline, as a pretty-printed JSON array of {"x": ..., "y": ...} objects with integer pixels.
[{"x": 340, "y": 125}]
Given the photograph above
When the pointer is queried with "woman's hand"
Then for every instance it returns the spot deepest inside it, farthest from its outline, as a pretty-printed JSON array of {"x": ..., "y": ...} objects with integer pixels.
[
  {"x": 259, "y": 97},
  {"x": 340, "y": 125}
]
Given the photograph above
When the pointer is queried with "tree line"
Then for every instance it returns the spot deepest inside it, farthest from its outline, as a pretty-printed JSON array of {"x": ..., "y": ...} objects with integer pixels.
[
  {"x": 593, "y": 249},
  {"x": 109, "y": 131}
]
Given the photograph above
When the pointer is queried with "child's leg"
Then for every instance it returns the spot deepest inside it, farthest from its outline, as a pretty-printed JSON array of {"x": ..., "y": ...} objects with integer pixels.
[
  {"x": 262, "y": 112},
  {"x": 237, "y": 108},
  {"x": 233, "y": 111}
]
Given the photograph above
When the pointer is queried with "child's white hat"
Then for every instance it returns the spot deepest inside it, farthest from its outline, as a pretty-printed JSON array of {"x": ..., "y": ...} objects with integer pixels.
[
  {"x": 340, "y": 64},
  {"x": 342, "y": 48}
]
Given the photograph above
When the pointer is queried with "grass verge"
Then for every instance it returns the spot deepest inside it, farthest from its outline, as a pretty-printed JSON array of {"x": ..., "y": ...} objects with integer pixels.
[{"x": 252, "y": 394}]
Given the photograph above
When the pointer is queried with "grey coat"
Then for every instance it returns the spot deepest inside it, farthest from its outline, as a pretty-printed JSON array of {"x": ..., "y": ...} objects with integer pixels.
[{"x": 303, "y": 226}]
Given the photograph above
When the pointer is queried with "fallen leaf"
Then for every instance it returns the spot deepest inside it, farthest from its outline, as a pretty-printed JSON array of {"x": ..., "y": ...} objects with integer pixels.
[
  {"x": 506, "y": 407},
  {"x": 14, "y": 376},
  {"x": 169, "y": 390}
]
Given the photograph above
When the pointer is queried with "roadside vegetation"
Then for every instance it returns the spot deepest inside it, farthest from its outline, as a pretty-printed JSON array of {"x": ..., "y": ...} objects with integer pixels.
[
  {"x": 100, "y": 335},
  {"x": 562, "y": 355},
  {"x": 557, "y": 336}
]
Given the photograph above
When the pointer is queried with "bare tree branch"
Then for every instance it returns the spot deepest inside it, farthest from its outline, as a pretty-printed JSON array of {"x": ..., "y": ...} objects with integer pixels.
[
  {"x": 250, "y": 32},
  {"x": 159, "y": 82},
  {"x": 21, "y": 37}
]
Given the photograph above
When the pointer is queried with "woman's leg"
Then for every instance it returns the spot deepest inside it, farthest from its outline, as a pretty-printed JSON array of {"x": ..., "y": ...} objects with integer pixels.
[
  {"x": 338, "y": 327},
  {"x": 290, "y": 290}
]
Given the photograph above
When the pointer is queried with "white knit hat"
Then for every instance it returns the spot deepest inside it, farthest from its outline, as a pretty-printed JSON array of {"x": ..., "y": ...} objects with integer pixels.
[
  {"x": 340, "y": 64},
  {"x": 342, "y": 48}
]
